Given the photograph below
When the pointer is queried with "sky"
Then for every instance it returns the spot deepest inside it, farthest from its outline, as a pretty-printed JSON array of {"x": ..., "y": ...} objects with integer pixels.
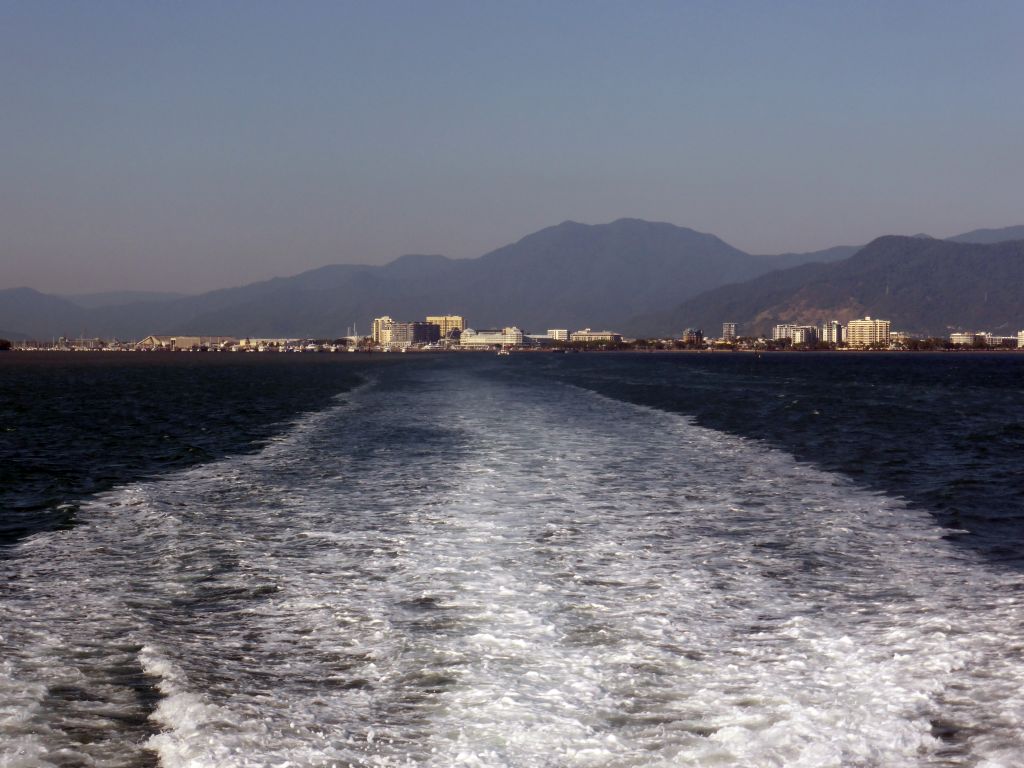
[{"x": 188, "y": 146}]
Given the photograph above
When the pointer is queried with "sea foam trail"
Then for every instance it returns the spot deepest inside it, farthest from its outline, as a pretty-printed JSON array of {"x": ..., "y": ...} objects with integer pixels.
[{"x": 460, "y": 570}]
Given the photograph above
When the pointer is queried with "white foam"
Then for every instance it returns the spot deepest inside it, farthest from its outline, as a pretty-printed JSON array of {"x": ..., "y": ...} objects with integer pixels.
[{"x": 536, "y": 577}]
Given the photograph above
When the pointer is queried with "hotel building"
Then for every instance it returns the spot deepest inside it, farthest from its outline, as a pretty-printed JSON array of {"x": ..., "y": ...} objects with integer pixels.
[
  {"x": 866, "y": 332},
  {"x": 588, "y": 335},
  {"x": 447, "y": 323},
  {"x": 798, "y": 334},
  {"x": 381, "y": 332},
  {"x": 504, "y": 337}
]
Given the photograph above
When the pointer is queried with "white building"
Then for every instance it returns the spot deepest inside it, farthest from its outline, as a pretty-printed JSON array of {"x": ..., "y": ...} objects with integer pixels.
[
  {"x": 382, "y": 330},
  {"x": 728, "y": 331},
  {"x": 798, "y": 334},
  {"x": 805, "y": 334},
  {"x": 588, "y": 335},
  {"x": 562, "y": 334},
  {"x": 504, "y": 337},
  {"x": 966, "y": 338},
  {"x": 866, "y": 332},
  {"x": 992, "y": 340},
  {"x": 833, "y": 332}
]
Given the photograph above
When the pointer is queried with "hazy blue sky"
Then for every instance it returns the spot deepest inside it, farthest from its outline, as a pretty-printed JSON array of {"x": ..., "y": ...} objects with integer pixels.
[{"x": 183, "y": 145}]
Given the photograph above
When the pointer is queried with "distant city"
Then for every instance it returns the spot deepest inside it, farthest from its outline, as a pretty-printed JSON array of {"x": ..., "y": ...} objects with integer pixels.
[{"x": 450, "y": 333}]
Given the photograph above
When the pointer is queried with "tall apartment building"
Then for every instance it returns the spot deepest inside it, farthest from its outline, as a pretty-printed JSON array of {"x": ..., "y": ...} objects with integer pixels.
[
  {"x": 447, "y": 323},
  {"x": 784, "y": 331},
  {"x": 864, "y": 333},
  {"x": 729, "y": 331},
  {"x": 804, "y": 334},
  {"x": 562, "y": 334},
  {"x": 833, "y": 332},
  {"x": 381, "y": 332}
]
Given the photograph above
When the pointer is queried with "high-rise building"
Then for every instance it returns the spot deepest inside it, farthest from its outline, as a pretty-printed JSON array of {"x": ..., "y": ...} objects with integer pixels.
[
  {"x": 784, "y": 331},
  {"x": 562, "y": 334},
  {"x": 866, "y": 332},
  {"x": 833, "y": 332},
  {"x": 798, "y": 334},
  {"x": 447, "y": 323},
  {"x": 381, "y": 332},
  {"x": 804, "y": 334},
  {"x": 729, "y": 331}
]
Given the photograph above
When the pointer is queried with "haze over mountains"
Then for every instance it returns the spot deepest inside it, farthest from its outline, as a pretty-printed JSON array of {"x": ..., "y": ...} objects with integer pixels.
[
  {"x": 626, "y": 275},
  {"x": 923, "y": 285}
]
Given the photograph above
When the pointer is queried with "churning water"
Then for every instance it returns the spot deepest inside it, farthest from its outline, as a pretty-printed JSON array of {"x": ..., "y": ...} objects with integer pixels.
[{"x": 445, "y": 568}]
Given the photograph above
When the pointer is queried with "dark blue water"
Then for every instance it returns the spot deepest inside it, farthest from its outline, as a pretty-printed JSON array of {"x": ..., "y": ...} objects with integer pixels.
[
  {"x": 945, "y": 431},
  {"x": 72, "y": 425}
]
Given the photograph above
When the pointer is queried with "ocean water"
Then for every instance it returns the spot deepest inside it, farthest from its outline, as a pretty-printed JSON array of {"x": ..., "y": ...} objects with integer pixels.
[{"x": 579, "y": 560}]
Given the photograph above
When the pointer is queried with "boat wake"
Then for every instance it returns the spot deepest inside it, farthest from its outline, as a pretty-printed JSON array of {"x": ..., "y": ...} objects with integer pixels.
[{"x": 451, "y": 569}]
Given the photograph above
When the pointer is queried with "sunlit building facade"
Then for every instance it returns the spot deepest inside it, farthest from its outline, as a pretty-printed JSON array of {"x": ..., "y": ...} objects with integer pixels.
[
  {"x": 867, "y": 332},
  {"x": 447, "y": 323}
]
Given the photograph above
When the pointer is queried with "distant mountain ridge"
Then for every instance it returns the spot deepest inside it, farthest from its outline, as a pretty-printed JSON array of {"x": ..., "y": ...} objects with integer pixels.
[
  {"x": 990, "y": 235},
  {"x": 117, "y": 298},
  {"x": 922, "y": 285},
  {"x": 569, "y": 275}
]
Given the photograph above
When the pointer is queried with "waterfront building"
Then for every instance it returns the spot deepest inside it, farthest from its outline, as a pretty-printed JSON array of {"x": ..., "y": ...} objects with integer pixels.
[
  {"x": 728, "y": 331},
  {"x": 381, "y": 332},
  {"x": 562, "y": 334},
  {"x": 587, "y": 335},
  {"x": 992, "y": 340},
  {"x": 983, "y": 339},
  {"x": 1020, "y": 339},
  {"x": 866, "y": 332},
  {"x": 804, "y": 334},
  {"x": 798, "y": 334},
  {"x": 496, "y": 337},
  {"x": 833, "y": 332},
  {"x": 693, "y": 337},
  {"x": 784, "y": 331},
  {"x": 408, "y": 334},
  {"x": 537, "y": 339},
  {"x": 179, "y": 343},
  {"x": 964, "y": 338},
  {"x": 447, "y": 323}
]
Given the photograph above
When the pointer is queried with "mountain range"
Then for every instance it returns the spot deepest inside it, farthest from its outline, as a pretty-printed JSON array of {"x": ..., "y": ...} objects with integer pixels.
[
  {"x": 566, "y": 276},
  {"x": 626, "y": 275},
  {"x": 923, "y": 286}
]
